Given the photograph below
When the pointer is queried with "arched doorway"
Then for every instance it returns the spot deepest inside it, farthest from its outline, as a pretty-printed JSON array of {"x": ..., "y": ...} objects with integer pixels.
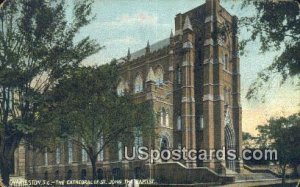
[
  {"x": 99, "y": 174},
  {"x": 46, "y": 175},
  {"x": 69, "y": 175},
  {"x": 56, "y": 174},
  {"x": 164, "y": 145},
  {"x": 230, "y": 140},
  {"x": 116, "y": 174},
  {"x": 83, "y": 174}
]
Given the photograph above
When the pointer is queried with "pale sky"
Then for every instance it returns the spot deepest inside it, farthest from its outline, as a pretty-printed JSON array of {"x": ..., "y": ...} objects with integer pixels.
[{"x": 123, "y": 24}]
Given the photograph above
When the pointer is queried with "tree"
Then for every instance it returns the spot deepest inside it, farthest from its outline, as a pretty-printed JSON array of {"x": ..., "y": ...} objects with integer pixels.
[
  {"x": 93, "y": 115},
  {"x": 283, "y": 135},
  {"x": 37, "y": 47},
  {"x": 276, "y": 25},
  {"x": 248, "y": 140}
]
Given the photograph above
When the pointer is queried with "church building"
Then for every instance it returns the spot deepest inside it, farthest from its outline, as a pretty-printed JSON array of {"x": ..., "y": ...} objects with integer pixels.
[{"x": 192, "y": 81}]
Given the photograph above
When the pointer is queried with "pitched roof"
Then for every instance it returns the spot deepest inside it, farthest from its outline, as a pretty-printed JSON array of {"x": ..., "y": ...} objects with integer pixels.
[{"x": 154, "y": 47}]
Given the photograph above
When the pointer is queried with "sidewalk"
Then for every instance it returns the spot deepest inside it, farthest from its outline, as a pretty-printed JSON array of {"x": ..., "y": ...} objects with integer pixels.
[{"x": 269, "y": 183}]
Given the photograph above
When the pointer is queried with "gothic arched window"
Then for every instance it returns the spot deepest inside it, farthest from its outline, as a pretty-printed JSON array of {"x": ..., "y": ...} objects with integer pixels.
[
  {"x": 70, "y": 151},
  {"x": 100, "y": 147},
  {"x": 138, "y": 84},
  {"x": 226, "y": 61},
  {"x": 84, "y": 156},
  {"x": 164, "y": 143},
  {"x": 121, "y": 88},
  {"x": 164, "y": 117},
  {"x": 46, "y": 157},
  {"x": 120, "y": 151},
  {"x": 151, "y": 76},
  {"x": 57, "y": 155},
  {"x": 159, "y": 76}
]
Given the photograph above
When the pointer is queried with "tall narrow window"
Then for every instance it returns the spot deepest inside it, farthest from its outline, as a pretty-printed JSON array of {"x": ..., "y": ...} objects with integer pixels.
[
  {"x": 70, "y": 152},
  {"x": 178, "y": 75},
  {"x": 120, "y": 151},
  {"x": 179, "y": 123},
  {"x": 46, "y": 157},
  {"x": 11, "y": 99},
  {"x": 201, "y": 122},
  {"x": 138, "y": 84},
  {"x": 163, "y": 117},
  {"x": 159, "y": 75},
  {"x": 8, "y": 99},
  {"x": 226, "y": 60},
  {"x": 84, "y": 156},
  {"x": 121, "y": 89},
  {"x": 226, "y": 96},
  {"x": 167, "y": 119},
  {"x": 57, "y": 155},
  {"x": 100, "y": 147}
]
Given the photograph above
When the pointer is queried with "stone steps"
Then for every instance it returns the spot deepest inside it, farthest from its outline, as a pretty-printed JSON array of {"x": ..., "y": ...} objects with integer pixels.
[{"x": 255, "y": 177}]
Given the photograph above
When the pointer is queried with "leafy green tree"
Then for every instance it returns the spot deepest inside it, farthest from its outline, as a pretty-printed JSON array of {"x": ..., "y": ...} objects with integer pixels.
[
  {"x": 90, "y": 111},
  {"x": 37, "y": 47},
  {"x": 248, "y": 140},
  {"x": 276, "y": 25},
  {"x": 283, "y": 135}
]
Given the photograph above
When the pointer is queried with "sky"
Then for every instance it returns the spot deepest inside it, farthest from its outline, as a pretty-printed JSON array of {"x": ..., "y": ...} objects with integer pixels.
[{"x": 123, "y": 24}]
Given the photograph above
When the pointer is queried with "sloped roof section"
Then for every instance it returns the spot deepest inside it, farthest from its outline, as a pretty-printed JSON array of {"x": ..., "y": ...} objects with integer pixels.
[{"x": 154, "y": 47}]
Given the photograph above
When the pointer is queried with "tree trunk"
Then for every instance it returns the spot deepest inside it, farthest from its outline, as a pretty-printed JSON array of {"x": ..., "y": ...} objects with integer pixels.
[
  {"x": 5, "y": 170},
  {"x": 94, "y": 169},
  {"x": 283, "y": 175},
  {"x": 8, "y": 147}
]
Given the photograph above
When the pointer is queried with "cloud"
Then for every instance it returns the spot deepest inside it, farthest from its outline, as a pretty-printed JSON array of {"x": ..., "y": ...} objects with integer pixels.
[{"x": 141, "y": 18}]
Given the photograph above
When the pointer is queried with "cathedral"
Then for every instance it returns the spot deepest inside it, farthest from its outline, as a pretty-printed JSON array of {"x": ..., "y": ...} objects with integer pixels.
[{"x": 192, "y": 81}]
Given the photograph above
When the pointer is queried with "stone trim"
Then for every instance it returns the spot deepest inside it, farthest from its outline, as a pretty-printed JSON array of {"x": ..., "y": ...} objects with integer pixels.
[
  {"x": 210, "y": 97},
  {"x": 187, "y": 45},
  {"x": 187, "y": 100},
  {"x": 212, "y": 84},
  {"x": 208, "y": 42},
  {"x": 207, "y": 61}
]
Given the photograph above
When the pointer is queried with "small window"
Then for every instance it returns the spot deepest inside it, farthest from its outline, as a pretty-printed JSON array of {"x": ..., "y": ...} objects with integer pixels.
[{"x": 179, "y": 123}]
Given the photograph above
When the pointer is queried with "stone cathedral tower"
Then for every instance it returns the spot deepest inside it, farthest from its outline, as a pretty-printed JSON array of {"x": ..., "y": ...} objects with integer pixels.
[{"x": 207, "y": 53}]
